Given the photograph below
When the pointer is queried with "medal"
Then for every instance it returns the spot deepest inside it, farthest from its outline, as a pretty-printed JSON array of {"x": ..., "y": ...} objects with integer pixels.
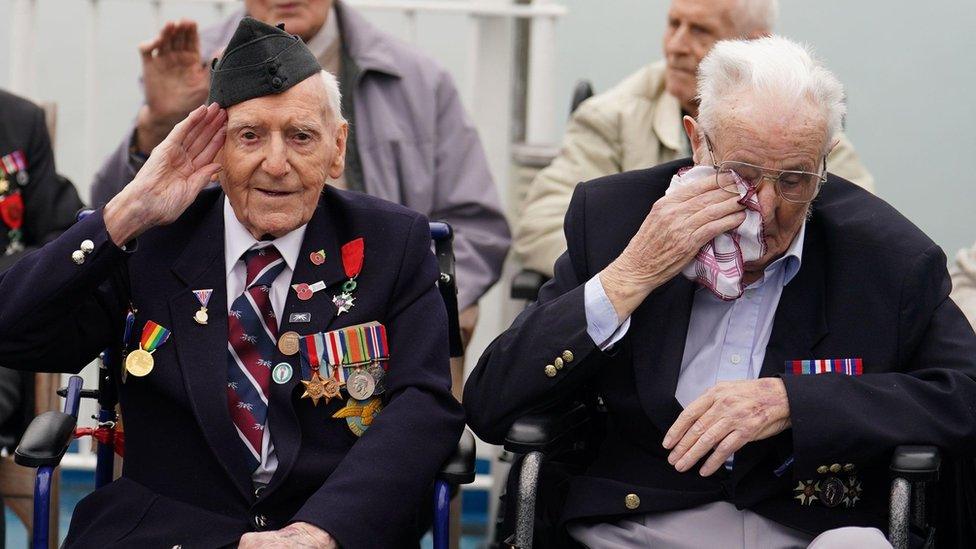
[
  {"x": 378, "y": 374},
  {"x": 306, "y": 291},
  {"x": 12, "y": 215},
  {"x": 832, "y": 491},
  {"x": 317, "y": 258},
  {"x": 140, "y": 361},
  {"x": 203, "y": 296},
  {"x": 359, "y": 415},
  {"x": 316, "y": 387},
  {"x": 360, "y": 385},
  {"x": 15, "y": 165},
  {"x": 288, "y": 343},
  {"x": 352, "y": 264}
]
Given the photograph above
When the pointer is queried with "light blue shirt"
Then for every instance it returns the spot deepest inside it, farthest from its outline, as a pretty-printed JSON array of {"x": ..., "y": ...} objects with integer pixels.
[{"x": 726, "y": 340}]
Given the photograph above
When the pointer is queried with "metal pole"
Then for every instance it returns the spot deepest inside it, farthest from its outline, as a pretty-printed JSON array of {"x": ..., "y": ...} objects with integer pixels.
[
  {"x": 540, "y": 113},
  {"x": 91, "y": 88},
  {"x": 42, "y": 507},
  {"x": 22, "y": 47}
]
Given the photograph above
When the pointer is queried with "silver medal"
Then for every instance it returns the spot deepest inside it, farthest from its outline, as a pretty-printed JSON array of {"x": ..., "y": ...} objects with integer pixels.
[{"x": 360, "y": 385}]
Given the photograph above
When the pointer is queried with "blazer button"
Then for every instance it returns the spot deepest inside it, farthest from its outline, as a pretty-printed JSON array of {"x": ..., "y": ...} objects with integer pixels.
[
  {"x": 276, "y": 82},
  {"x": 550, "y": 370},
  {"x": 822, "y": 470},
  {"x": 87, "y": 246},
  {"x": 558, "y": 363},
  {"x": 835, "y": 468},
  {"x": 78, "y": 257},
  {"x": 632, "y": 501},
  {"x": 568, "y": 356}
]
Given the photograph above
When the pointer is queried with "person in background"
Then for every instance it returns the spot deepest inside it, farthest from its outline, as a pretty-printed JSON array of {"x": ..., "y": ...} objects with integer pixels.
[
  {"x": 637, "y": 123},
  {"x": 36, "y": 204},
  {"x": 964, "y": 282},
  {"x": 410, "y": 140}
]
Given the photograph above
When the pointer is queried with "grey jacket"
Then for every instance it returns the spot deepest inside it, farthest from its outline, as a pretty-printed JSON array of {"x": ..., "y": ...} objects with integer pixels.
[{"x": 416, "y": 145}]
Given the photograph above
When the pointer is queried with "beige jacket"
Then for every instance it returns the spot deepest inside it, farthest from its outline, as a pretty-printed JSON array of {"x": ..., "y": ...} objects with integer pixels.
[
  {"x": 631, "y": 126},
  {"x": 964, "y": 283}
]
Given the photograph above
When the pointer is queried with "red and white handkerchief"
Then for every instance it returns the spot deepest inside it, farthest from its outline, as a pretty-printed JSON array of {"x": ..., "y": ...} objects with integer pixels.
[{"x": 719, "y": 263}]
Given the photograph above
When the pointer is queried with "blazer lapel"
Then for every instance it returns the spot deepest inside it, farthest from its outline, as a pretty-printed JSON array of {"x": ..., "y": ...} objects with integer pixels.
[
  {"x": 658, "y": 331},
  {"x": 201, "y": 349},
  {"x": 282, "y": 418}
]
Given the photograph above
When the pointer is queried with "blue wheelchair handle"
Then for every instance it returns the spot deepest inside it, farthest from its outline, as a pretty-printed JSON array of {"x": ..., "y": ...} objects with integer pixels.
[
  {"x": 440, "y": 230},
  {"x": 83, "y": 213}
]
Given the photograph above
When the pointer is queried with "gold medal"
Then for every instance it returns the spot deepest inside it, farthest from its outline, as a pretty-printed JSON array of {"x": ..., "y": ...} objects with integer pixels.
[
  {"x": 201, "y": 316},
  {"x": 139, "y": 363},
  {"x": 314, "y": 389},
  {"x": 288, "y": 343}
]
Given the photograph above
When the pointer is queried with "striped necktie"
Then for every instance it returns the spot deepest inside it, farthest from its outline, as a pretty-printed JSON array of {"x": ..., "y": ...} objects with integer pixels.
[{"x": 252, "y": 331}]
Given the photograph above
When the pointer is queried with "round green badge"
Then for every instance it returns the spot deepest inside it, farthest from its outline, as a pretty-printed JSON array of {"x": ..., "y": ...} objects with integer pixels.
[{"x": 281, "y": 373}]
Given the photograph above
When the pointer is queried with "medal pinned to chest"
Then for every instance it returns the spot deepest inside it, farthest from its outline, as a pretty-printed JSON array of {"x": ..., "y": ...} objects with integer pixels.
[
  {"x": 13, "y": 169},
  {"x": 352, "y": 265},
  {"x": 140, "y": 362},
  {"x": 353, "y": 359},
  {"x": 203, "y": 296}
]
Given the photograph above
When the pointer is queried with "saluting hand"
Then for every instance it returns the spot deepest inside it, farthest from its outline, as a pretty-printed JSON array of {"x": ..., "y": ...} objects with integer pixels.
[
  {"x": 174, "y": 78},
  {"x": 300, "y": 535},
  {"x": 724, "y": 419},
  {"x": 677, "y": 226},
  {"x": 171, "y": 178}
]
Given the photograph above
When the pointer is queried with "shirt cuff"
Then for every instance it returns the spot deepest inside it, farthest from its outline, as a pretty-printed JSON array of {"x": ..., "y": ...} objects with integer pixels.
[{"x": 601, "y": 317}]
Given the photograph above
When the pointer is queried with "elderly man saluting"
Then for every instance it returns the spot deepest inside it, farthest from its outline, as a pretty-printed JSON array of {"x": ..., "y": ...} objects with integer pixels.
[
  {"x": 763, "y": 333},
  {"x": 285, "y": 350}
]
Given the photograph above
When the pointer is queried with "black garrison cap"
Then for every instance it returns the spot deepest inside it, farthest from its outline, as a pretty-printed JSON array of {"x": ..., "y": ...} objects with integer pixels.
[{"x": 260, "y": 60}]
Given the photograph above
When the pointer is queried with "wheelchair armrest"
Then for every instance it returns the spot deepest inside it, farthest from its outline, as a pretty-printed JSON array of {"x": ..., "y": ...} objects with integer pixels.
[
  {"x": 548, "y": 431},
  {"x": 526, "y": 285},
  {"x": 45, "y": 440},
  {"x": 916, "y": 463},
  {"x": 459, "y": 468}
]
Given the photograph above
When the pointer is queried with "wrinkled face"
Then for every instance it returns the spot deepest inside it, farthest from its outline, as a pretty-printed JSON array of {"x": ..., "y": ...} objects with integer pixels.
[
  {"x": 693, "y": 28},
  {"x": 792, "y": 137},
  {"x": 280, "y": 149},
  {"x": 301, "y": 17}
]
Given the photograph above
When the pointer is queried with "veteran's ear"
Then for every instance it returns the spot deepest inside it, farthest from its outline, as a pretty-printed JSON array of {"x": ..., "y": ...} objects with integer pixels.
[
  {"x": 694, "y": 137},
  {"x": 339, "y": 160}
]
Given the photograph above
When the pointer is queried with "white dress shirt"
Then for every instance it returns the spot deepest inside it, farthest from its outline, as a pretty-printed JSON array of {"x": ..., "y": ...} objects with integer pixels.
[{"x": 238, "y": 240}]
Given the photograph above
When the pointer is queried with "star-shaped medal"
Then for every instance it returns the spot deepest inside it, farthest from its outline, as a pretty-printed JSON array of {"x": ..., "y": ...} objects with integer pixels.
[
  {"x": 853, "y": 492},
  {"x": 314, "y": 389},
  {"x": 806, "y": 492},
  {"x": 343, "y": 302}
]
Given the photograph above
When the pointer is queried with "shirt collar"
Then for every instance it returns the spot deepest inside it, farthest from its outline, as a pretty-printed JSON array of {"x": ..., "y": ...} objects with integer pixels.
[
  {"x": 326, "y": 37},
  {"x": 238, "y": 240},
  {"x": 792, "y": 259}
]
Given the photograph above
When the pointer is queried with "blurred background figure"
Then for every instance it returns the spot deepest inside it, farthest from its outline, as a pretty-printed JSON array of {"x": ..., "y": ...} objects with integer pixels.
[
  {"x": 36, "y": 203},
  {"x": 964, "y": 282},
  {"x": 410, "y": 140},
  {"x": 637, "y": 123}
]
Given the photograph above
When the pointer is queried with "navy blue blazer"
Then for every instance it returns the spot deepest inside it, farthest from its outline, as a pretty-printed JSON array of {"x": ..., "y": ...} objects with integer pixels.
[
  {"x": 871, "y": 286},
  {"x": 184, "y": 478}
]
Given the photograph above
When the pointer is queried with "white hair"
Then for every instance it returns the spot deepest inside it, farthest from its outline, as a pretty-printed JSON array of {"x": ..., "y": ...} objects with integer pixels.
[
  {"x": 756, "y": 15},
  {"x": 783, "y": 72},
  {"x": 333, "y": 96}
]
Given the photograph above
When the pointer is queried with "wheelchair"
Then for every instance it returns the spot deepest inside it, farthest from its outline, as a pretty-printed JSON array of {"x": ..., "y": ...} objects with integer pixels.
[{"x": 48, "y": 436}]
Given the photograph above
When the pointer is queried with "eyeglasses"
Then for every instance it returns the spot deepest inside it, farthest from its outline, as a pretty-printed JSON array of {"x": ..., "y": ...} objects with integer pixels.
[{"x": 794, "y": 186}]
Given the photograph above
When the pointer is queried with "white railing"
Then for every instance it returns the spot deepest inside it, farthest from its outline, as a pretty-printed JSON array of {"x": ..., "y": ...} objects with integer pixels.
[{"x": 485, "y": 81}]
